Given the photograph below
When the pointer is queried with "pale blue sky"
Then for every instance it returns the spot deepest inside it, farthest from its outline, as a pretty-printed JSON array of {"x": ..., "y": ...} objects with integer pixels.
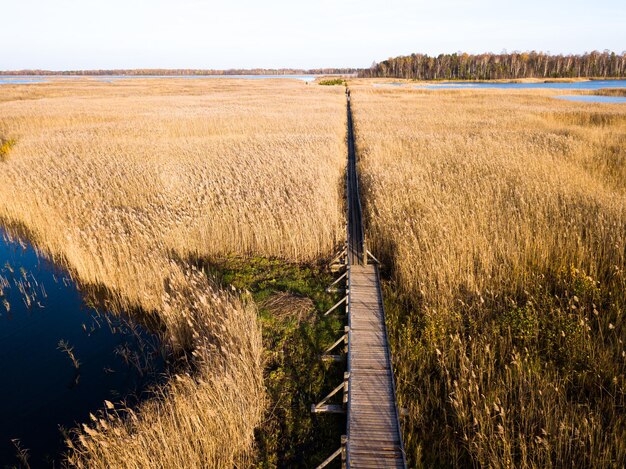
[{"x": 90, "y": 34}]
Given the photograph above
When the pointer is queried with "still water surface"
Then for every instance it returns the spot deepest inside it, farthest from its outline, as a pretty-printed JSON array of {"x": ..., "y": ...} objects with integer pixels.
[
  {"x": 25, "y": 80},
  {"x": 40, "y": 388},
  {"x": 110, "y": 78},
  {"x": 580, "y": 85},
  {"x": 15, "y": 80},
  {"x": 593, "y": 98}
]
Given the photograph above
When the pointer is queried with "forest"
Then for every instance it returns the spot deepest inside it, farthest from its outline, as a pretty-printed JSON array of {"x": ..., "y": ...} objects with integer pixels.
[{"x": 488, "y": 66}]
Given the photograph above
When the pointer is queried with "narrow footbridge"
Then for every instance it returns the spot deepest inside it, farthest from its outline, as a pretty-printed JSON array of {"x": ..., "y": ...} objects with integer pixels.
[{"x": 373, "y": 438}]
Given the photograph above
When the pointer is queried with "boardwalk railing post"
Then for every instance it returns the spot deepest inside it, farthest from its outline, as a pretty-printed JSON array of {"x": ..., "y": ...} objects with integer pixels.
[
  {"x": 340, "y": 258},
  {"x": 364, "y": 250},
  {"x": 344, "y": 441},
  {"x": 332, "y": 287},
  {"x": 376, "y": 261},
  {"x": 343, "y": 300},
  {"x": 330, "y": 458}
]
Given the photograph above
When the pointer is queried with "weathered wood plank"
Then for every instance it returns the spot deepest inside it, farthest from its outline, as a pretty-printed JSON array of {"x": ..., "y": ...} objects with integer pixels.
[{"x": 374, "y": 438}]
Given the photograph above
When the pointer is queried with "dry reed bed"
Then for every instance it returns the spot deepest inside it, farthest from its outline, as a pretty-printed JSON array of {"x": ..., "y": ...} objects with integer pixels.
[
  {"x": 125, "y": 182},
  {"x": 503, "y": 218}
]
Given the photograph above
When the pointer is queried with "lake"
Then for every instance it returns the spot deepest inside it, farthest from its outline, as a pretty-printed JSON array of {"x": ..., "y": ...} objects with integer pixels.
[
  {"x": 580, "y": 85},
  {"x": 109, "y": 78},
  {"x": 11, "y": 80},
  {"x": 28, "y": 79},
  {"x": 45, "y": 318},
  {"x": 593, "y": 98}
]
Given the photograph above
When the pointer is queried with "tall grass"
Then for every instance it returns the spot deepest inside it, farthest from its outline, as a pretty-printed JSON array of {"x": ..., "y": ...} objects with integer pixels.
[
  {"x": 502, "y": 218},
  {"x": 126, "y": 182},
  {"x": 204, "y": 418}
]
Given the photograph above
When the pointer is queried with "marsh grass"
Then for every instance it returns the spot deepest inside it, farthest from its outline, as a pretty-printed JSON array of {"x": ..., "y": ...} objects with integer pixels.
[
  {"x": 201, "y": 406},
  {"x": 120, "y": 182},
  {"x": 22, "y": 454},
  {"x": 66, "y": 348},
  {"x": 292, "y": 299},
  {"x": 501, "y": 219},
  {"x": 611, "y": 92}
]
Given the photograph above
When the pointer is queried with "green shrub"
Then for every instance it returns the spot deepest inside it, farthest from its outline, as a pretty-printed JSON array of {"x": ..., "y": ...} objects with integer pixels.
[
  {"x": 332, "y": 82},
  {"x": 5, "y": 148}
]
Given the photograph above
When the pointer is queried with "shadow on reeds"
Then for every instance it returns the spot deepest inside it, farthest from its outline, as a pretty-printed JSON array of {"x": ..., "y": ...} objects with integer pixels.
[{"x": 540, "y": 369}]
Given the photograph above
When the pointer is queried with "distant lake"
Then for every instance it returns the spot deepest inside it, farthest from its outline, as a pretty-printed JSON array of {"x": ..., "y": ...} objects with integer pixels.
[
  {"x": 16, "y": 80},
  {"x": 580, "y": 85},
  {"x": 28, "y": 79},
  {"x": 191, "y": 77},
  {"x": 594, "y": 99}
]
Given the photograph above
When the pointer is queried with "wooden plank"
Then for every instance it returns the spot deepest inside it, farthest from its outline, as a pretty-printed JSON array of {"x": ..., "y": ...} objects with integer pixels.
[
  {"x": 374, "y": 439},
  {"x": 327, "y": 409}
]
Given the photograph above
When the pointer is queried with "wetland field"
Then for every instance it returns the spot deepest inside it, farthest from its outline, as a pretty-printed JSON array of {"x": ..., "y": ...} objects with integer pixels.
[{"x": 194, "y": 221}]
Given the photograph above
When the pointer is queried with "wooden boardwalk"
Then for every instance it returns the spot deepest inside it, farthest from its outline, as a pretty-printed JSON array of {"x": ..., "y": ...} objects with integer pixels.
[{"x": 373, "y": 438}]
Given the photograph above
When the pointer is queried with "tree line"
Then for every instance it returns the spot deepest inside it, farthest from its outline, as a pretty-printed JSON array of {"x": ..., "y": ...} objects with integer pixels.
[
  {"x": 488, "y": 66},
  {"x": 187, "y": 72}
]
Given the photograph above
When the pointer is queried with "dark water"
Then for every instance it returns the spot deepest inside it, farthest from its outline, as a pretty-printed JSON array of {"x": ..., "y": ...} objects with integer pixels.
[
  {"x": 581, "y": 85},
  {"x": 40, "y": 388},
  {"x": 594, "y": 99}
]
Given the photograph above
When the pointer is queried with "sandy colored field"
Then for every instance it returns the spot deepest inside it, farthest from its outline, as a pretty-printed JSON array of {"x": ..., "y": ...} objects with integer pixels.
[
  {"x": 127, "y": 182},
  {"x": 503, "y": 218}
]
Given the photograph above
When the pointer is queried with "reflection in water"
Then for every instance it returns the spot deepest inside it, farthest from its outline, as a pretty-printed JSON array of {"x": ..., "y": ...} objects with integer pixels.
[{"x": 60, "y": 358}]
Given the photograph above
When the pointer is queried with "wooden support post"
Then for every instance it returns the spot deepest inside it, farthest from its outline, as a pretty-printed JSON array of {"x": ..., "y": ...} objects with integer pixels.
[
  {"x": 343, "y": 300},
  {"x": 328, "y": 289},
  {"x": 372, "y": 256},
  {"x": 341, "y": 253},
  {"x": 364, "y": 250},
  {"x": 333, "y": 358},
  {"x": 328, "y": 409},
  {"x": 339, "y": 260},
  {"x": 330, "y": 458},
  {"x": 332, "y": 347},
  {"x": 321, "y": 405}
]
